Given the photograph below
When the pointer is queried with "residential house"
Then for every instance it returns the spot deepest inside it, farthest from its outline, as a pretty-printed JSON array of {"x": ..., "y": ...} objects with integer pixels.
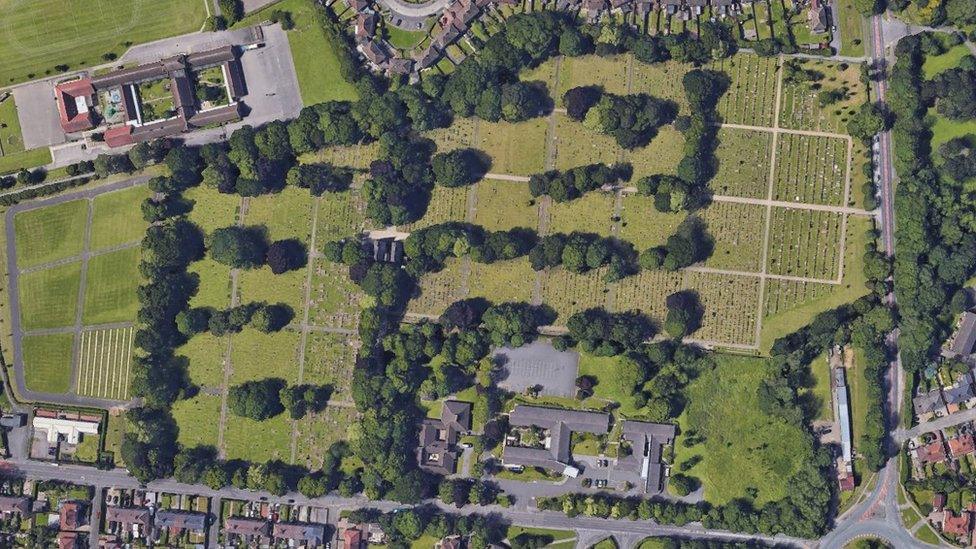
[
  {"x": 181, "y": 521},
  {"x": 938, "y": 502},
  {"x": 127, "y": 519},
  {"x": 964, "y": 340},
  {"x": 933, "y": 452},
  {"x": 956, "y": 527},
  {"x": 399, "y": 65},
  {"x": 299, "y": 534},
  {"x": 69, "y": 540},
  {"x": 366, "y": 26},
  {"x": 555, "y": 453},
  {"x": 450, "y": 542},
  {"x": 962, "y": 445},
  {"x": 251, "y": 531},
  {"x": 437, "y": 451},
  {"x": 427, "y": 58},
  {"x": 14, "y": 505},
  {"x": 375, "y": 53},
  {"x": 961, "y": 394},
  {"x": 817, "y": 17},
  {"x": 929, "y": 405},
  {"x": 358, "y": 5},
  {"x": 72, "y": 515}
]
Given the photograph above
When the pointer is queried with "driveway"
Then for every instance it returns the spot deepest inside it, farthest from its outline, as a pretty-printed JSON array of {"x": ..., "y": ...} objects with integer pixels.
[
  {"x": 37, "y": 110},
  {"x": 538, "y": 363}
]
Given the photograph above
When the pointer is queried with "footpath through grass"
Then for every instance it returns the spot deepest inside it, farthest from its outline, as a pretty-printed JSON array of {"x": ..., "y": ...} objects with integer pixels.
[{"x": 37, "y": 35}]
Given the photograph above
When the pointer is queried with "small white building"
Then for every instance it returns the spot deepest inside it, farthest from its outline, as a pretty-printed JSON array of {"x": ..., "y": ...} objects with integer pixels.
[{"x": 70, "y": 429}]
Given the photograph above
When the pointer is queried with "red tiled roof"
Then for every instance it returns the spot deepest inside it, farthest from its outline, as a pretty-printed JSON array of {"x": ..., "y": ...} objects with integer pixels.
[
  {"x": 119, "y": 136},
  {"x": 933, "y": 452},
  {"x": 67, "y": 540},
  {"x": 67, "y": 94},
  {"x": 352, "y": 538},
  {"x": 962, "y": 445},
  {"x": 956, "y": 525},
  {"x": 846, "y": 483},
  {"x": 938, "y": 501},
  {"x": 71, "y": 518}
]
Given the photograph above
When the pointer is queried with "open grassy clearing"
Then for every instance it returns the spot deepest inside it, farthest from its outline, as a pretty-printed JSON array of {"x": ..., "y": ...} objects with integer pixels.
[
  {"x": 811, "y": 170},
  {"x": 517, "y": 149},
  {"x": 792, "y": 305},
  {"x": 934, "y": 64},
  {"x": 204, "y": 354},
  {"x": 731, "y": 304},
  {"x": 263, "y": 285},
  {"x": 11, "y": 139},
  {"x": 592, "y": 213},
  {"x": 48, "y": 297},
  {"x": 214, "y": 288},
  {"x": 352, "y": 156},
  {"x": 741, "y": 451},
  {"x": 819, "y": 391},
  {"x": 804, "y": 243},
  {"x": 544, "y": 73},
  {"x": 446, "y": 204},
  {"x": 316, "y": 63},
  {"x": 47, "y": 362},
  {"x": 557, "y": 535},
  {"x": 743, "y": 163},
  {"x": 851, "y": 26},
  {"x": 662, "y": 80},
  {"x": 117, "y": 217},
  {"x": 661, "y": 155},
  {"x": 646, "y": 291},
  {"x": 945, "y": 129},
  {"x": 330, "y": 358},
  {"x": 577, "y": 146},
  {"x": 111, "y": 284},
  {"x": 737, "y": 232},
  {"x": 211, "y": 209},
  {"x": 340, "y": 215},
  {"x": 800, "y": 108},
  {"x": 105, "y": 363},
  {"x": 274, "y": 442},
  {"x": 567, "y": 292},
  {"x": 751, "y": 97},
  {"x": 858, "y": 387},
  {"x": 643, "y": 225},
  {"x": 256, "y": 355},
  {"x": 50, "y": 233},
  {"x": 608, "y": 387},
  {"x": 512, "y": 280},
  {"x": 440, "y": 289},
  {"x": 286, "y": 214},
  {"x": 318, "y": 431},
  {"x": 29, "y": 159},
  {"x": 334, "y": 300},
  {"x": 610, "y": 73},
  {"x": 197, "y": 419},
  {"x": 504, "y": 205},
  {"x": 39, "y": 34},
  {"x": 460, "y": 134}
]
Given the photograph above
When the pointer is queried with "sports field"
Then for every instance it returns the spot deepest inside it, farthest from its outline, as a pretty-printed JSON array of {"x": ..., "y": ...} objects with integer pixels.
[
  {"x": 77, "y": 292},
  {"x": 37, "y": 35}
]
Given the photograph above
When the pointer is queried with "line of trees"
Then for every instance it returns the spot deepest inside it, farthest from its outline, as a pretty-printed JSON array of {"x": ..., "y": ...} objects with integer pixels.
[{"x": 574, "y": 183}]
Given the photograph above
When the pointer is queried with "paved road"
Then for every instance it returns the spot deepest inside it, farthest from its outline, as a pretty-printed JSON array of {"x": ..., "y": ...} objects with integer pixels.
[
  {"x": 17, "y": 330},
  {"x": 879, "y": 514},
  {"x": 519, "y": 516},
  {"x": 958, "y": 418},
  {"x": 414, "y": 11}
]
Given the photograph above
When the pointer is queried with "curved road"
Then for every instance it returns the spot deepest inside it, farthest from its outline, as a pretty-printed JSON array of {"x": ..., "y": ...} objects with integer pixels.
[
  {"x": 415, "y": 11},
  {"x": 16, "y": 330}
]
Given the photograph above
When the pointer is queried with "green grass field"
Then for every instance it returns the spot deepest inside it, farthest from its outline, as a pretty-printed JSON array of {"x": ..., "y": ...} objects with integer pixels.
[
  {"x": 502, "y": 281},
  {"x": 820, "y": 390},
  {"x": 503, "y": 205},
  {"x": 287, "y": 214},
  {"x": 214, "y": 288},
  {"x": 48, "y": 297},
  {"x": 117, "y": 217},
  {"x": 204, "y": 354},
  {"x": 933, "y": 65},
  {"x": 47, "y": 362},
  {"x": 274, "y": 441},
  {"x": 46, "y": 234},
  {"x": 851, "y": 29},
  {"x": 743, "y": 163},
  {"x": 643, "y": 225},
  {"x": 211, "y": 209},
  {"x": 591, "y": 213},
  {"x": 256, "y": 355},
  {"x": 24, "y": 159},
  {"x": 11, "y": 140},
  {"x": 741, "y": 451},
  {"x": 517, "y": 149},
  {"x": 111, "y": 284},
  {"x": 944, "y": 129},
  {"x": 197, "y": 419},
  {"x": 36, "y": 35},
  {"x": 315, "y": 62}
]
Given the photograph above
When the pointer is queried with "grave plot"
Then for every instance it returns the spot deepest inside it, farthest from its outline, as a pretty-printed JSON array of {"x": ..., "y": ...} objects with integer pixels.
[
  {"x": 578, "y": 146},
  {"x": 731, "y": 304},
  {"x": 610, "y": 73},
  {"x": 440, "y": 289},
  {"x": 502, "y": 281},
  {"x": 743, "y": 163},
  {"x": 737, "y": 232},
  {"x": 592, "y": 213},
  {"x": 751, "y": 97},
  {"x": 504, "y": 205},
  {"x": 803, "y": 106},
  {"x": 334, "y": 301},
  {"x": 105, "y": 363},
  {"x": 516, "y": 149},
  {"x": 446, "y": 204},
  {"x": 568, "y": 292},
  {"x": 804, "y": 243},
  {"x": 460, "y": 134},
  {"x": 811, "y": 170},
  {"x": 646, "y": 291}
]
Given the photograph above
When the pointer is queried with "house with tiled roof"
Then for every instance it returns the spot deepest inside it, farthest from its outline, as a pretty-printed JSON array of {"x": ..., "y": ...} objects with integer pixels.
[
  {"x": 962, "y": 445},
  {"x": 933, "y": 452},
  {"x": 957, "y": 527}
]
